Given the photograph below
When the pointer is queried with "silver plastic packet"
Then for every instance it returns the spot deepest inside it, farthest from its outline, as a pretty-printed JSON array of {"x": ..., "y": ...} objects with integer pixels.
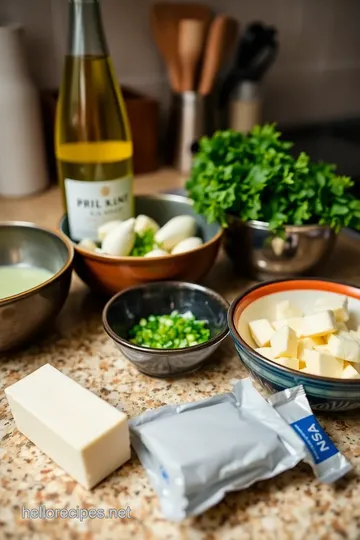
[
  {"x": 321, "y": 453},
  {"x": 194, "y": 453}
]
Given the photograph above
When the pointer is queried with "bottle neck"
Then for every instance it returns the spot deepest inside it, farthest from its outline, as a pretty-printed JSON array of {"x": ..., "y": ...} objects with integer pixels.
[{"x": 86, "y": 33}]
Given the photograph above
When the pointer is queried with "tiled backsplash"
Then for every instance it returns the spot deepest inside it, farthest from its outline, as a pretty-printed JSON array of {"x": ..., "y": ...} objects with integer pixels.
[{"x": 316, "y": 76}]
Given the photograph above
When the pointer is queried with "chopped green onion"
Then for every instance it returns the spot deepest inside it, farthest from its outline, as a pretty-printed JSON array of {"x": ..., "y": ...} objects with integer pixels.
[
  {"x": 144, "y": 243},
  {"x": 172, "y": 331}
]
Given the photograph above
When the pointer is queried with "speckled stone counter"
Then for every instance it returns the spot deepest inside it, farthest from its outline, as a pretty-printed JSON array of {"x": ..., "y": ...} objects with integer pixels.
[{"x": 292, "y": 506}]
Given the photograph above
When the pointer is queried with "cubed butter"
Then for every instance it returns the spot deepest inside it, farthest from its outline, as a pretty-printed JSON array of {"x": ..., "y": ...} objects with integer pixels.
[
  {"x": 322, "y": 348},
  {"x": 292, "y": 363},
  {"x": 295, "y": 323},
  {"x": 323, "y": 364},
  {"x": 308, "y": 343},
  {"x": 318, "y": 324},
  {"x": 354, "y": 334},
  {"x": 350, "y": 372},
  {"x": 261, "y": 330},
  {"x": 83, "y": 434},
  {"x": 344, "y": 346},
  {"x": 286, "y": 310},
  {"x": 266, "y": 351},
  {"x": 284, "y": 342},
  {"x": 341, "y": 327},
  {"x": 337, "y": 304}
]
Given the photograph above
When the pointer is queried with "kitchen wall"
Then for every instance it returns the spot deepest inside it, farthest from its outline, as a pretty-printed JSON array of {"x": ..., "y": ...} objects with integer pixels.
[{"x": 317, "y": 74}]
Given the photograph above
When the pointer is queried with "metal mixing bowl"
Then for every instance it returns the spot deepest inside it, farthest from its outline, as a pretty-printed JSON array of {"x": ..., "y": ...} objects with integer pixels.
[
  {"x": 256, "y": 252},
  {"x": 24, "y": 315}
]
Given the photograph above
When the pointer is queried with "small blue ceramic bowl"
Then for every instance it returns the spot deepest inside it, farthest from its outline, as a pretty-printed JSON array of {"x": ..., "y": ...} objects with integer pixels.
[{"x": 324, "y": 393}]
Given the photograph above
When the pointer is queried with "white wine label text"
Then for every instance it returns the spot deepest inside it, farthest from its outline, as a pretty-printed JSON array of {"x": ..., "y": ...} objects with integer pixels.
[{"x": 90, "y": 204}]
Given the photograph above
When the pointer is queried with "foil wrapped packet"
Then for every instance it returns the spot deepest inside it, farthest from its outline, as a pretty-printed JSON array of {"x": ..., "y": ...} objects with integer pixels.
[
  {"x": 322, "y": 455},
  {"x": 195, "y": 453}
]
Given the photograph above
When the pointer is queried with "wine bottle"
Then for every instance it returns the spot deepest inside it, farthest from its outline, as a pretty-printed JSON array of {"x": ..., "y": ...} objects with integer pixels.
[{"x": 92, "y": 135}]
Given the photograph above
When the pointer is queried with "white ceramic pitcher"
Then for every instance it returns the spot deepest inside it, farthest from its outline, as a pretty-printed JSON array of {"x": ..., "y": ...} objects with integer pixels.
[{"x": 22, "y": 153}]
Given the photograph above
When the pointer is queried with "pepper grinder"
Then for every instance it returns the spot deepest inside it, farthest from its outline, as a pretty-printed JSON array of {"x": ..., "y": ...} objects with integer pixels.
[{"x": 245, "y": 106}]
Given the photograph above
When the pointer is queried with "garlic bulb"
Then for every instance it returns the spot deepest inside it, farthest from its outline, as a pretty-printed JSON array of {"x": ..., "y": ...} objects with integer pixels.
[
  {"x": 156, "y": 253},
  {"x": 120, "y": 240},
  {"x": 105, "y": 228},
  {"x": 144, "y": 223},
  {"x": 187, "y": 245},
  {"x": 175, "y": 230},
  {"x": 88, "y": 244}
]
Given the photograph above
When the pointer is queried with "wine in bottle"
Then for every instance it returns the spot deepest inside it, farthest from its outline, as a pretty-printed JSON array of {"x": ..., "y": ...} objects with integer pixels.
[{"x": 92, "y": 136}]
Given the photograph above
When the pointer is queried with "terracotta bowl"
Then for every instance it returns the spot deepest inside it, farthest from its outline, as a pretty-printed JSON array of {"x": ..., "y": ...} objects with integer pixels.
[
  {"x": 113, "y": 274},
  {"x": 324, "y": 393},
  {"x": 24, "y": 315}
]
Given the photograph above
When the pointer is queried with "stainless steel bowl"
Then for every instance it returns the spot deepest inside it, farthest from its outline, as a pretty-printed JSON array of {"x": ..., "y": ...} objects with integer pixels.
[
  {"x": 256, "y": 252},
  {"x": 24, "y": 315}
]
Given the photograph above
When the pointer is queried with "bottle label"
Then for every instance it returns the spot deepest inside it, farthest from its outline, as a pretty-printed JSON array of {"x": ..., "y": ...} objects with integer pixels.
[{"x": 90, "y": 204}]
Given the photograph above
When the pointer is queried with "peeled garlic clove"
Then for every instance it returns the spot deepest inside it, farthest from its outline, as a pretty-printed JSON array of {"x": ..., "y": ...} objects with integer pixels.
[
  {"x": 88, "y": 244},
  {"x": 187, "y": 245},
  {"x": 105, "y": 228},
  {"x": 156, "y": 253},
  {"x": 120, "y": 240},
  {"x": 145, "y": 223},
  {"x": 175, "y": 230}
]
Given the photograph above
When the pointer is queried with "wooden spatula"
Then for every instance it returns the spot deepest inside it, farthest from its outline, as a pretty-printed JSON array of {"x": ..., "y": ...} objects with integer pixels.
[
  {"x": 191, "y": 41},
  {"x": 220, "y": 41},
  {"x": 165, "y": 32}
]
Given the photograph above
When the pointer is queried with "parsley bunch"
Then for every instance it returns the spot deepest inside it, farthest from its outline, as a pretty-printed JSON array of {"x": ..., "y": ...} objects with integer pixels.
[{"x": 255, "y": 177}]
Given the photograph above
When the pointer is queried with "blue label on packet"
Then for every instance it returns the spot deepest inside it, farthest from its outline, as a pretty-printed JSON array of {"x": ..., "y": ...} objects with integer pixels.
[{"x": 315, "y": 438}]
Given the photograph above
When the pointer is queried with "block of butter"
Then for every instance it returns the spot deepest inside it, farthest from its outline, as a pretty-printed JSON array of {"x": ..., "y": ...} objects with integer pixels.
[{"x": 83, "y": 434}]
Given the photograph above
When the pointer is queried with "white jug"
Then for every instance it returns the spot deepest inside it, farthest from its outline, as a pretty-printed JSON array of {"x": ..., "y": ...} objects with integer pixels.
[{"x": 22, "y": 153}]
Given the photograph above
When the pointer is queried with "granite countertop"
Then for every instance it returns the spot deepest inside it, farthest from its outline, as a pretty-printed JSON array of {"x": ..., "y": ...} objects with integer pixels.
[{"x": 292, "y": 506}]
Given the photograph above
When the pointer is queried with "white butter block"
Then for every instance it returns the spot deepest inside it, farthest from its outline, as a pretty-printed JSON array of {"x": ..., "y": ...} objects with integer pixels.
[
  {"x": 337, "y": 304},
  {"x": 292, "y": 363},
  {"x": 261, "y": 330},
  {"x": 286, "y": 310},
  {"x": 323, "y": 364},
  {"x": 295, "y": 323},
  {"x": 350, "y": 372},
  {"x": 344, "y": 346},
  {"x": 284, "y": 342},
  {"x": 319, "y": 324},
  {"x": 266, "y": 351},
  {"x": 83, "y": 434}
]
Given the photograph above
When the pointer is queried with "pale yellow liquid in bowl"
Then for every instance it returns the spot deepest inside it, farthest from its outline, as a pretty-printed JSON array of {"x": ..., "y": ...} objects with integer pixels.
[{"x": 17, "y": 279}]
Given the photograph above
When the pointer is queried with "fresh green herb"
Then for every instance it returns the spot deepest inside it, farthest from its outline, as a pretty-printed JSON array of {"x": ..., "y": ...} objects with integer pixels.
[
  {"x": 144, "y": 243},
  {"x": 255, "y": 177},
  {"x": 172, "y": 331}
]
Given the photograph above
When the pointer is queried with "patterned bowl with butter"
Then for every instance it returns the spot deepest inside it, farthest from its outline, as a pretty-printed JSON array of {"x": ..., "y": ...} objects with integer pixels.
[{"x": 258, "y": 302}]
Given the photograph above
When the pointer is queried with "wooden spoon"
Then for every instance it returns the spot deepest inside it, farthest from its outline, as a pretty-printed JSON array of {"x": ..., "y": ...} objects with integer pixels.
[
  {"x": 165, "y": 19},
  {"x": 221, "y": 39},
  {"x": 191, "y": 39}
]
